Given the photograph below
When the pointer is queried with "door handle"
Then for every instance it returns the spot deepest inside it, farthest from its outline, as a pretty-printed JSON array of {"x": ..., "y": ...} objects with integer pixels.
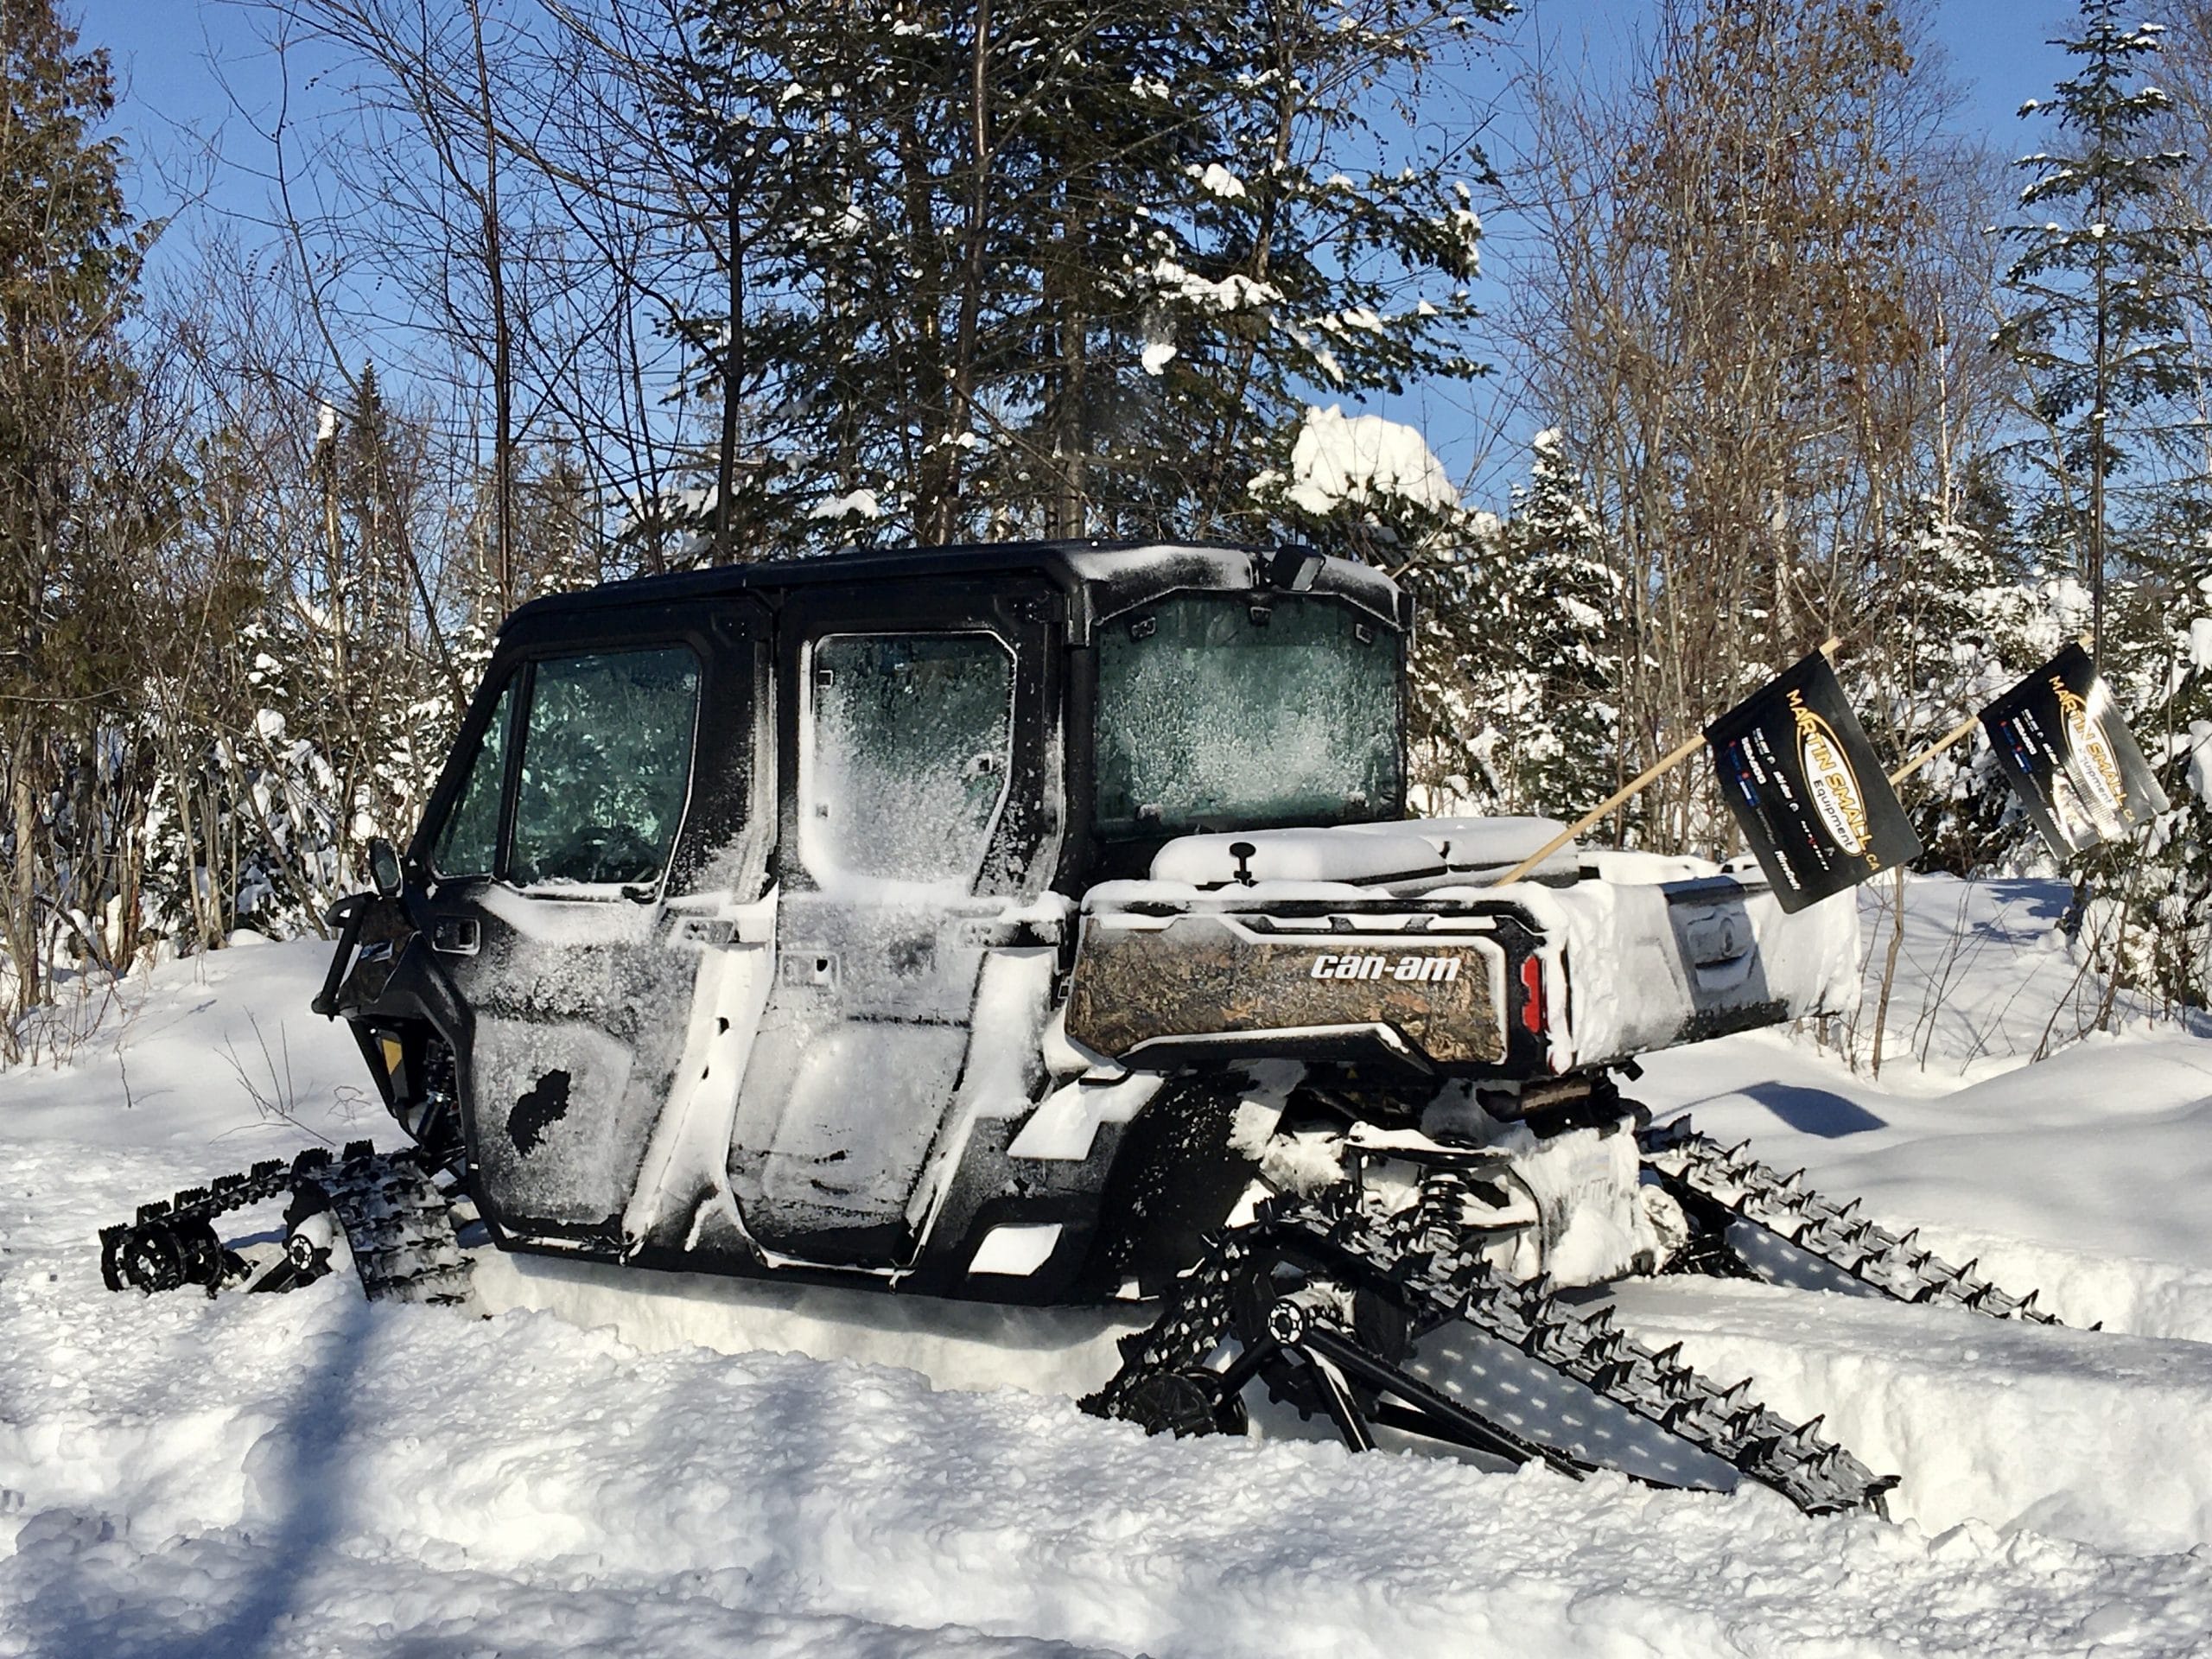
[{"x": 456, "y": 936}]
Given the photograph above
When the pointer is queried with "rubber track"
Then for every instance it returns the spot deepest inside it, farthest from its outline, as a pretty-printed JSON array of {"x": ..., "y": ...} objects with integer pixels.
[
  {"x": 1438, "y": 1288},
  {"x": 1682, "y": 1159},
  {"x": 398, "y": 1225},
  {"x": 399, "y": 1228}
]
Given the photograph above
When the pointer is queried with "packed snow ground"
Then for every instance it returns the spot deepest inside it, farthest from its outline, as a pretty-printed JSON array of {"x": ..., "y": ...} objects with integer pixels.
[{"x": 307, "y": 1474}]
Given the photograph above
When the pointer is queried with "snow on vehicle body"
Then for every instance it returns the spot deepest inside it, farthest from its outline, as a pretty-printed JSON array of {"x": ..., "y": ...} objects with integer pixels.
[{"x": 1041, "y": 924}]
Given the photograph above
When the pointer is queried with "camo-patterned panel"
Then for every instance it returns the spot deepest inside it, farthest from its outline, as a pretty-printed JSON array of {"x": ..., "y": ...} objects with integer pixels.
[{"x": 1200, "y": 975}]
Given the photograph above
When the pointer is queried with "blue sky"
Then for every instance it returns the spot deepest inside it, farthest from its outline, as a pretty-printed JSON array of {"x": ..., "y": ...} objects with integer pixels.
[
  {"x": 1996, "y": 49},
  {"x": 170, "y": 53},
  {"x": 185, "y": 69},
  {"x": 1997, "y": 54}
]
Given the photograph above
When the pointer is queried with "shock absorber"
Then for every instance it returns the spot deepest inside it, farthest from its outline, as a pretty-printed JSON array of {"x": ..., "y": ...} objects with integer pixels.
[
  {"x": 432, "y": 1119},
  {"x": 1479, "y": 1204}
]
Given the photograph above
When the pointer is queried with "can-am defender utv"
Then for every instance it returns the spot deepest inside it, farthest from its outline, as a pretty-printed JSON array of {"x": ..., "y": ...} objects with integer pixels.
[{"x": 1042, "y": 924}]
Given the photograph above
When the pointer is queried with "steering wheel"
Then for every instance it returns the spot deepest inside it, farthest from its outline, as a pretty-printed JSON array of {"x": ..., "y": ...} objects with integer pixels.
[{"x": 604, "y": 852}]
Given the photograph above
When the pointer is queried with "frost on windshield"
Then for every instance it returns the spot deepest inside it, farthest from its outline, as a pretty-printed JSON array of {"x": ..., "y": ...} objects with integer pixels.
[
  {"x": 605, "y": 765},
  {"x": 1215, "y": 713},
  {"x": 911, "y": 737}
]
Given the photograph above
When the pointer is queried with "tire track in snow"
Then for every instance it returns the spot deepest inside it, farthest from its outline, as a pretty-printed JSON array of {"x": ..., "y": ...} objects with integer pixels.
[{"x": 2098, "y": 1436}]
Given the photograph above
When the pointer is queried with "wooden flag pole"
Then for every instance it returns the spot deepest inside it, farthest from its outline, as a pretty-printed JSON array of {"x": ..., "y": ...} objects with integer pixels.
[
  {"x": 1628, "y": 792},
  {"x": 1954, "y": 736},
  {"x": 1933, "y": 749},
  {"x": 1642, "y": 780}
]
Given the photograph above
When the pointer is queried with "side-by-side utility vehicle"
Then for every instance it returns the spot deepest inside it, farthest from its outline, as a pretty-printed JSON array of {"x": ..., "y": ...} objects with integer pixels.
[{"x": 1043, "y": 923}]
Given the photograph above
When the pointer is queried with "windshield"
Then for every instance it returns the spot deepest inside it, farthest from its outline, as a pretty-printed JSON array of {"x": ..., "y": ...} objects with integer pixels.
[{"x": 1216, "y": 712}]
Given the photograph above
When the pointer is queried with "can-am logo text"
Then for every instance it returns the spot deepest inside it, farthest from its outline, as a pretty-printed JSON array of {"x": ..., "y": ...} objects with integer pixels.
[
  {"x": 1373, "y": 964},
  {"x": 1829, "y": 779}
]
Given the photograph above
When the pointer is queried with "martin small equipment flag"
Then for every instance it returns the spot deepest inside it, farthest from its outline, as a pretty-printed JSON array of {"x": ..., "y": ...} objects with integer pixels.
[
  {"x": 1804, "y": 784},
  {"x": 2069, "y": 757}
]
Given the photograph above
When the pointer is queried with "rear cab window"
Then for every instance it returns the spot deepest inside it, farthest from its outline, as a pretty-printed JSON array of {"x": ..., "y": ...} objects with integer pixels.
[{"x": 1216, "y": 711}]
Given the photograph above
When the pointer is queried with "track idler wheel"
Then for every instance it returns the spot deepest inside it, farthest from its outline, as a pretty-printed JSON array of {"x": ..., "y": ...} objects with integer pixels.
[
  {"x": 310, "y": 1228},
  {"x": 1274, "y": 1305},
  {"x": 1184, "y": 1403},
  {"x": 1266, "y": 1318},
  {"x": 160, "y": 1255}
]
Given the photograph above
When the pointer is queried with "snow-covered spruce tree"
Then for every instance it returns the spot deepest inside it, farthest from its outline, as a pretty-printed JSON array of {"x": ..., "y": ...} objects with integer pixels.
[
  {"x": 2160, "y": 883},
  {"x": 2104, "y": 269},
  {"x": 1047, "y": 268},
  {"x": 1554, "y": 647},
  {"x": 1967, "y": 617},
  {"x": 2185, "y": 726},
  {"x": 2096, "y": 317}
]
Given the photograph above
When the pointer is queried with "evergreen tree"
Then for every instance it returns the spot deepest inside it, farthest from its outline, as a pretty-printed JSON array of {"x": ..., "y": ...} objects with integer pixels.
[
  {"x": 2104, "y": 277},
  {"x": 1564, "y": 627},
  {"x": 69, "y": 263},
  {"x": 1055, "y": 267},
  {"x": 2098, "y": 324},
  {"x": 1961, "y": 626},
  {"x": 2155, "y": 889},
  {"x": 2183, "y": 728}
]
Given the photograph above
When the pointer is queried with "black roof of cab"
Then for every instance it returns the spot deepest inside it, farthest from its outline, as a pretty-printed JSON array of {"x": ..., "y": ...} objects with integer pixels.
[{"x": 1100, "y": 578}]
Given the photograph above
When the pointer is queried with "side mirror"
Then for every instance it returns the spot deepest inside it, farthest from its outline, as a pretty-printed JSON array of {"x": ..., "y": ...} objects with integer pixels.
[
  {"x": 383, "y": 868},
  {"x": 1294, "y": 567}
]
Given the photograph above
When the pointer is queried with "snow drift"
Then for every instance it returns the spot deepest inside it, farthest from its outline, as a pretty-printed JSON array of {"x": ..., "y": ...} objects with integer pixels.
[{"x": 305, "y": 1473}]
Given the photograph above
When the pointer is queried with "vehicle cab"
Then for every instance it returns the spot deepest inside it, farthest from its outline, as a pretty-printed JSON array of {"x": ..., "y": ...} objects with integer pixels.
[{"x": 738, "y": 929}]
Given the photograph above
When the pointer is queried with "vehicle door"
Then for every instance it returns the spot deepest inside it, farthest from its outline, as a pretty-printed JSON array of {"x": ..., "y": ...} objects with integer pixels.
[
  {"x": 588, "y": 899},
  {"x": 918, "y": 808}
]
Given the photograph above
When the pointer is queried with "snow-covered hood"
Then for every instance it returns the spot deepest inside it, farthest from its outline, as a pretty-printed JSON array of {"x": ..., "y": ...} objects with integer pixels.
[{"x": 1360, "y": 852}]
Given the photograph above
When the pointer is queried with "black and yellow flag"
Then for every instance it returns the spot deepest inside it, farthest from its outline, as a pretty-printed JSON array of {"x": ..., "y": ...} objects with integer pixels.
[
  {"x": 2069, "y": 757},
  {"x": 1802, "y": 781}
]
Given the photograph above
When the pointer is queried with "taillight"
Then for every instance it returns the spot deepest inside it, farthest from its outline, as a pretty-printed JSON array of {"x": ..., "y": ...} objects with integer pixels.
[{"x": 1532, "y": 1000}]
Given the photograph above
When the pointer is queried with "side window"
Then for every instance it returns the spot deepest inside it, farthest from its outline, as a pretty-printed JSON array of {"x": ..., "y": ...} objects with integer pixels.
[
  {"x": 909, "y": 741},
  {"x": 469, "y": 844},
  {"x": 605, "y": 765}
]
